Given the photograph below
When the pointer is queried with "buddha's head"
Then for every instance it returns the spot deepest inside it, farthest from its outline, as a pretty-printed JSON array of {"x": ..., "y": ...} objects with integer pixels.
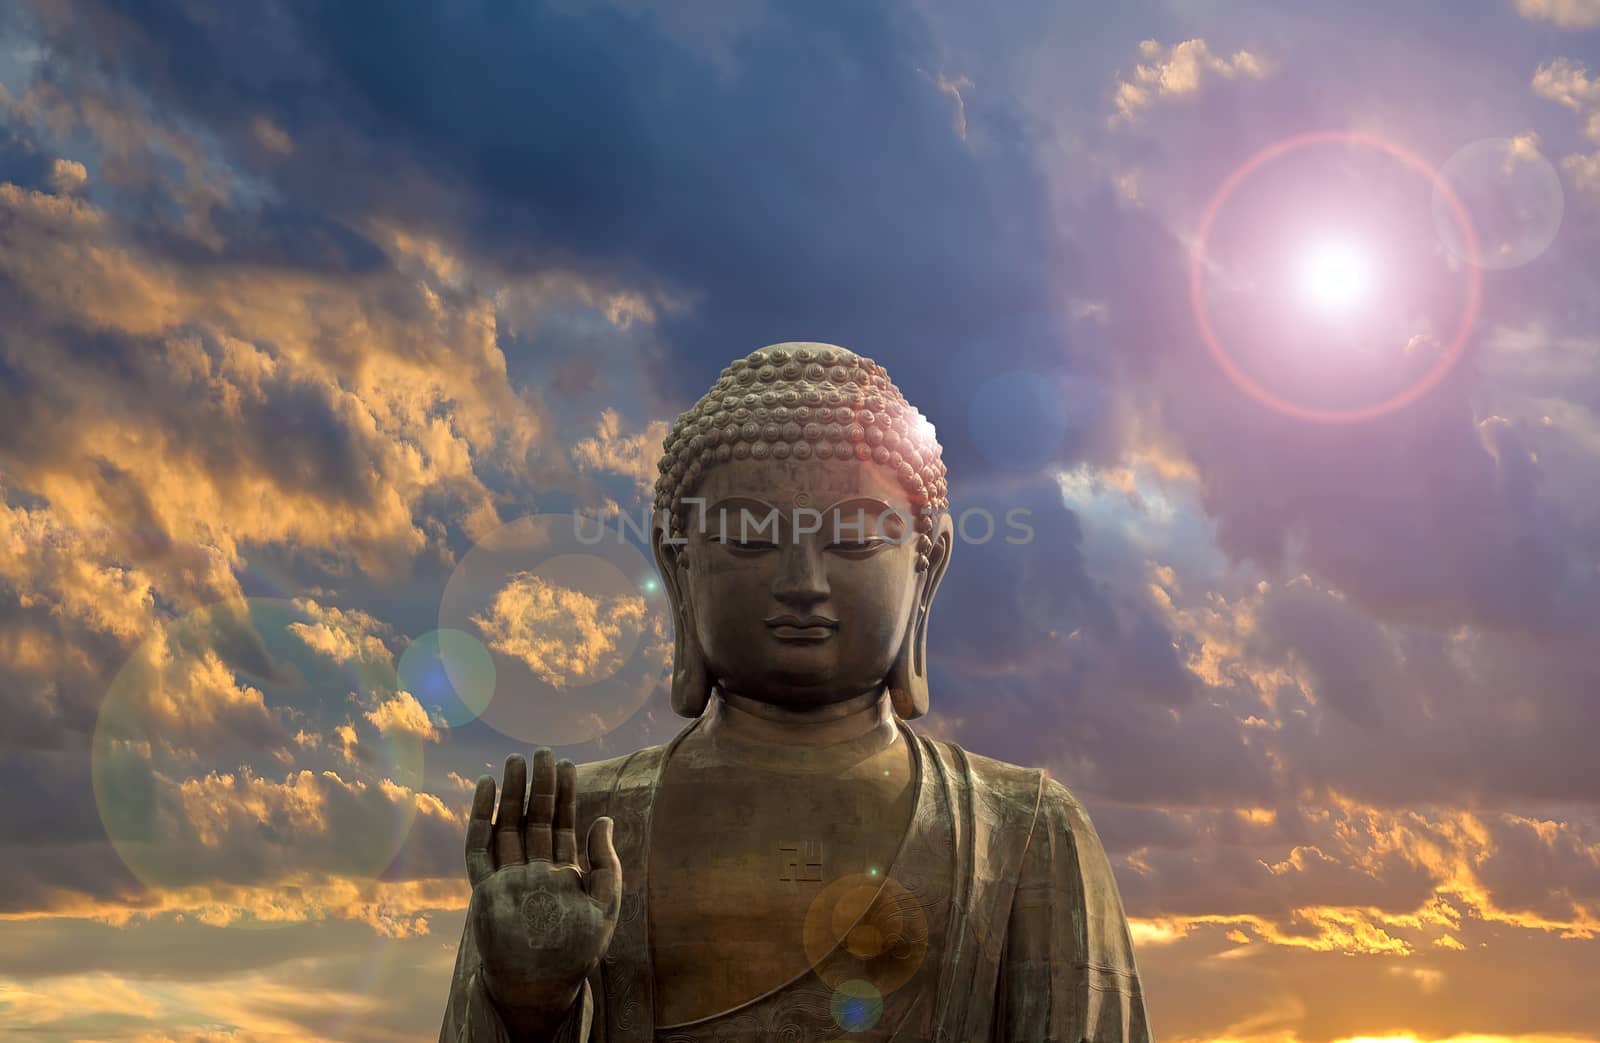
[{"x": 801, "y": 532}]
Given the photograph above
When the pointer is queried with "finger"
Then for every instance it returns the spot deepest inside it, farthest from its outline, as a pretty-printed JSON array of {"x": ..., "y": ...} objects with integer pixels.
[
  {"x": 480, "y": 828},
  {"x": 541, "y": 805},
  {"x": 566, "y": 824},
  {"x": 605, "y": 876},
  {"x": 508, "y": 824}
]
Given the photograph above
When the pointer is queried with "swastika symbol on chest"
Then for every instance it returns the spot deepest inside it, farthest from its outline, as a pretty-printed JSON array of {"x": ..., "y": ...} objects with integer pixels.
[{"x": 800, "y": 860}]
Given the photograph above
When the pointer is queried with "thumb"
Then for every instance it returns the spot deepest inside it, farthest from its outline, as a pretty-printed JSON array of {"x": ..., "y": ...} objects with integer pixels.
[{"x": 605, "y": 875}]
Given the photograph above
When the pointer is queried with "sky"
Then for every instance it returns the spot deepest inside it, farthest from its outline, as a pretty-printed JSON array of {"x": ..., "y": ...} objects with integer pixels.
[{"x": 1278, "y": 320}]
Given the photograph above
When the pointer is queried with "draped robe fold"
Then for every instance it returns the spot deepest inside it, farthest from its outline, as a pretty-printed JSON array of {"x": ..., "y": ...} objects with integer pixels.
[{"x": 1025, "y": 936}]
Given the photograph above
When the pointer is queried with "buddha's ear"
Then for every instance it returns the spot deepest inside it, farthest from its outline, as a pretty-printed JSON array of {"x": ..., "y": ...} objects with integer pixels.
[
  {"x": 908, "y": 677},
  {"x": 691, "y": 681}
]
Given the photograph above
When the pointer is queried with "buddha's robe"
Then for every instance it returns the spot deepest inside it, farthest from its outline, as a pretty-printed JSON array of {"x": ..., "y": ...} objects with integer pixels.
[{"x": 1006, "y": 926}]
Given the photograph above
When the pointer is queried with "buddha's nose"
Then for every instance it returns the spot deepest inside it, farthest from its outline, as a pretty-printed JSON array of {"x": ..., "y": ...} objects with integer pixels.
[{"x": 802, "y": 576}]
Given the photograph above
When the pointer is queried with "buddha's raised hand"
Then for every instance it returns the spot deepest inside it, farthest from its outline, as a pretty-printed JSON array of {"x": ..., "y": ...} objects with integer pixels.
[{"x": 540, "y": 922}]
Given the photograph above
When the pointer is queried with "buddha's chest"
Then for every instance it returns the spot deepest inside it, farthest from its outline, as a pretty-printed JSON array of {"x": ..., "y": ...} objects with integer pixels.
[{"x": 738, "y": 867}]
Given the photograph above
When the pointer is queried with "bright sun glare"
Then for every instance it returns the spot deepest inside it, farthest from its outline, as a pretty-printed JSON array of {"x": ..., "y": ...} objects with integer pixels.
[{"x": 1335, "y": 276}]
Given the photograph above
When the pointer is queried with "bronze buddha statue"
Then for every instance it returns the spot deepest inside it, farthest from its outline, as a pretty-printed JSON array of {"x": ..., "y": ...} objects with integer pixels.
[{"x": 796, "y": 864}]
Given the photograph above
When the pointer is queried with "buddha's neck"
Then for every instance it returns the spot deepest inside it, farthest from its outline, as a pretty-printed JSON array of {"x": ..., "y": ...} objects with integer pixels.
[{"x": 863, "y": 720}]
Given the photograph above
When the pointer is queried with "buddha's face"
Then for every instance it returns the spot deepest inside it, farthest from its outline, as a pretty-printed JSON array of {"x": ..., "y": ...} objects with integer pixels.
[{"x": 800, "y": 581}]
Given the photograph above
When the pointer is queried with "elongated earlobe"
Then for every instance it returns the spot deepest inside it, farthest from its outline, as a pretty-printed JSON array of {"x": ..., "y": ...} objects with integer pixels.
[
  {"x": 908, "y": 677},
  {"x": 691, "y": 680}
]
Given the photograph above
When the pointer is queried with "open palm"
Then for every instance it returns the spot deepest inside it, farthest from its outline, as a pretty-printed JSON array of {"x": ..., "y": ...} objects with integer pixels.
[{"x": 541, "y": 923}]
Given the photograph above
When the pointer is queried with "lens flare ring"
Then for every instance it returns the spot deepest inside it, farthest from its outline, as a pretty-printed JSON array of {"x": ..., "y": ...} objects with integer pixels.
[
  {"x": 1469, "y": 310},
  {"x": 576, "y": 640}
]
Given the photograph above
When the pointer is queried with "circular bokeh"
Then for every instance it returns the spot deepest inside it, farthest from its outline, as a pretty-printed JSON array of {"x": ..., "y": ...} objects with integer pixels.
[
  {"x": 256, "y": 742},
  {"x": 1513, "y": 195},
  {"x": 450, "y": 673},
  {"x": 865, "y": 928},
  {"x": 1319, "y": 380},
  {"x": 856, "y": 1005},
  {"x": 1018, "y": 419},
  {"x": 574, "y": 622}
]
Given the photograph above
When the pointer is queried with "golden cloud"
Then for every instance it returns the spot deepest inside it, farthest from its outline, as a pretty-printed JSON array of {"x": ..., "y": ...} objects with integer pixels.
[
  {"x": 372, "y": 362},
  {"x": 1345, "y": 890},
  {"x": 402, "y": 714},
  {"x": 343, "y": 635},
  {"x": 1569, "y": 83},
  {"x": 1178, "y": 71},
  {"x": 259, "y": 1007},
  {"x": 1566, "y": 14},
  {"x": 611, "y": 451},
  {"x": 564, "y": 636},
  {"x": 218, "y": 804},
  {"x": 392, "y": 908}
]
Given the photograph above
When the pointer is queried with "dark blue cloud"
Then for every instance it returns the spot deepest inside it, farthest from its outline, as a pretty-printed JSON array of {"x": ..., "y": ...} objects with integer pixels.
[
  {"x": 271, "y": 235},
  {"x": 814, "y": 186},
  {"x": 1033, "y": 591},
  {"x": 819, "y": 192},
  {"x": 22, "y": 161},
  {"x": 1042, "y": 662}
]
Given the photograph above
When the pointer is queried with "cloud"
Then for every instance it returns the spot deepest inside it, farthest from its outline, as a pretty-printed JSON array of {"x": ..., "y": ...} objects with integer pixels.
[
  {"x": 563, "y": 635},
  {"x": 1565, "y": 14},
  {"x": 298, "y": 324},
  {"x": 952, "y": 87},
  {"x": 272, "y": 137},
  {"x": 1071, "y": 668},
  {"x": 201, "y": 722},
  {"x": 224, "y": 372},
  {"x": 1336, "y": 875},
  {"x": 402, "y": 714},
  {"x": 67, "y": 176},
  {"x": 1177, "y": 71},
  {"x": 1568, "y": 83},
  {"x": 177, "y": 407},
  {"x": 610, "y": 451},
  {"x": 23, "y": 159},
  {"x": 252, "y": 1006},
  {"x": 676, "y": 216},
  {"x": 76, "y": 997},
  {"x": 1449, "y": 511},
  {"x": 243, "y": 829},
  {"x": 1391, "y": 712},
  {"x": 239, "y": 847},
  {"x": 343, "y": 635}
]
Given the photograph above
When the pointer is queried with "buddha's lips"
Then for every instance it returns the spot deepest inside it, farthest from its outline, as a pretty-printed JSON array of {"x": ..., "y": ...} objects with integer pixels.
[{"x": 794, "y": 628}]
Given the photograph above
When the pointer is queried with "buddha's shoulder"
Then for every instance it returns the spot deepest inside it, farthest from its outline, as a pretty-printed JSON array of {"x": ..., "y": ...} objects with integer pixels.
[
  {"x": 1053, "y": 802},
  {"x": 986, "y": 771},
  {"x": 601, "y": 777}
]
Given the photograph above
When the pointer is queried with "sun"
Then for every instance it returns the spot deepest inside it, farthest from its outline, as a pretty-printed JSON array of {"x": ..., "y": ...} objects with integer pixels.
[{"x": 1335, "y": 276}]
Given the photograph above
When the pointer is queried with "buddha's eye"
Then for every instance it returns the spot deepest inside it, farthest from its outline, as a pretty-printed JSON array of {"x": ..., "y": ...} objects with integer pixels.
[
  {"x": 856, "y": 548},
  {"x": 739, "y": 546}
]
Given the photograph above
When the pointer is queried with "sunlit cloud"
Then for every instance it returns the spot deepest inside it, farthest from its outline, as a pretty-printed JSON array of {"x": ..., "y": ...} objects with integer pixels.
[
  {"x": 1566, "y": 14},
  {"x": 564, "y": 636},
  {"x": 1176, "y": 71},
  {"x": 391, "y": 909},
  {"x": 610, "y": 451},
  {"x": 1569, "y": 83},
  {"x": 255, "y": 1006},
  {"x": 274, "y": 324},
  {"x": 343, "y": 635},
  {"x": 401, "y": 713}
]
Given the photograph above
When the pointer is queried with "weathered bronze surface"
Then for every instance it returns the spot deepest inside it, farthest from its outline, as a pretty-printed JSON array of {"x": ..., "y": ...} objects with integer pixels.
[{"x": 798, "y": 863}]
